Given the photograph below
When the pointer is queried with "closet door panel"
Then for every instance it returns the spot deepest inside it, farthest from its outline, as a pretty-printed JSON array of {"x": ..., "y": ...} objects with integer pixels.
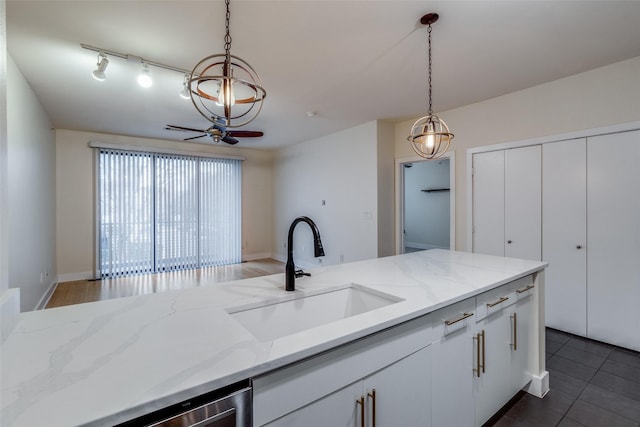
[
  {"x": 564, "y": 229},
  {"x": 613, "y": 257},
  {"x": 488, "y": 203},
  {"x": 523, "y": 210}
]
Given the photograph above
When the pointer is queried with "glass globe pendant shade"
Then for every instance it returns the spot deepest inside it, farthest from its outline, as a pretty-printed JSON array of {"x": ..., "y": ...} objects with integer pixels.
[{"x": 430, "y": 137}]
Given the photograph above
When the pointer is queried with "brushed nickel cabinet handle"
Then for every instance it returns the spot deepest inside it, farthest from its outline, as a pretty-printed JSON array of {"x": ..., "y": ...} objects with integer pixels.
[
  {"x": 477, "y": 368},
  {"x": 515, "y": 331},
  {"x": 525, "y": 289},
  {"x": 493, "y": 304},
  {"x": 361, "y": 403},
  {"x": 372, "y": 395},
  {"x": 464, "y": 316},
  {"x": 484, "y": 362}
]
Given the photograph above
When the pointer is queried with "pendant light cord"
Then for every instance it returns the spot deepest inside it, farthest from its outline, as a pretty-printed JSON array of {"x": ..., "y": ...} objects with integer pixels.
[
  {"x": 429, "y": 37},
  {"x": 227, "y": 37}
]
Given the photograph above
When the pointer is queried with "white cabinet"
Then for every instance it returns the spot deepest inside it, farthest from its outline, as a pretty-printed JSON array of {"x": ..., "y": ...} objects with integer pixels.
[
  {"x": 325, "y": 390},
  {"x": 564, "y": 234},
  {"x": 452, "y": 356},
  {"x": 395, "y": 395},
  {"x": 454, "y": 367},
  {"x": 613, "y": 238},
  {"x": 503, "y": 357},
  {"x": 507, "y": 203}
]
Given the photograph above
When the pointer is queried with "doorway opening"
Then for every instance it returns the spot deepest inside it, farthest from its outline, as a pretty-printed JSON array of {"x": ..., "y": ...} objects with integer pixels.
[{"x": 426, "y": 205}]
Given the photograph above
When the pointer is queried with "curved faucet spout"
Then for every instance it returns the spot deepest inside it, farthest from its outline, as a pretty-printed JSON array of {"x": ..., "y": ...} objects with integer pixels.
[{"x": 318, "y": 250}]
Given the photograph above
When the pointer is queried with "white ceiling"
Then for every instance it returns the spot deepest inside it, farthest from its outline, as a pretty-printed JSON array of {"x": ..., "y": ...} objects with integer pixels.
[{"x": 351, "y": 61}]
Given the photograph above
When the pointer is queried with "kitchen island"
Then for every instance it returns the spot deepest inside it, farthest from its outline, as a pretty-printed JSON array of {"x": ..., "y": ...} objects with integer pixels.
[{"x": 107, "y": 362}]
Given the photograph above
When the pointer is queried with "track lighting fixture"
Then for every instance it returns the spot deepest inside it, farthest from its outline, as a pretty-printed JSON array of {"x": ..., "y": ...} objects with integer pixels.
[
  {"x": 185, "y": 88},
  {"x": 144, "y": 78},
  {"x": 102, "y": 63}
]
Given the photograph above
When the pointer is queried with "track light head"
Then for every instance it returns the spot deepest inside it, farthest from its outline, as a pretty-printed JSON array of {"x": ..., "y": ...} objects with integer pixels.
[
  {"x": 98, "y": 73},
  {"x": 185, "y": 88},
  {"x": 144, "y": 78}
]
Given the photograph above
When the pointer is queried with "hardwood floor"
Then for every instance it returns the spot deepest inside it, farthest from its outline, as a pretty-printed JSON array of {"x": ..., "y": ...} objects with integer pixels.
[{"x": 82, "y": 291}]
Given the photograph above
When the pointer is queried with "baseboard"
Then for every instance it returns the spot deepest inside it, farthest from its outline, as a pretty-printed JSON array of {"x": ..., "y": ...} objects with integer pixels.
[
  {"x": 539, "y": 385},
  {"x": 72, "y": 277},
  {"x": 255, "y": 256},
  {"x": 47, "y": 296}
]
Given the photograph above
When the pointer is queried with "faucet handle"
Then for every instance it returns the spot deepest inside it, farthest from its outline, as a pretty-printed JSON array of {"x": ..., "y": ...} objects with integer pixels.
[{"x": 300, "y": 273}]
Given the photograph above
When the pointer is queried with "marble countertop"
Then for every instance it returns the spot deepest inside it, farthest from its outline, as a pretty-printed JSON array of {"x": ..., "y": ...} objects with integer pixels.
[{"x": 106, "y": 362}]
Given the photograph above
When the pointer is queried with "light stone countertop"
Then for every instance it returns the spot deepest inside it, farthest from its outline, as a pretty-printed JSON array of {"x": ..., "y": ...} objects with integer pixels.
[{"x": 105, "y": 362}]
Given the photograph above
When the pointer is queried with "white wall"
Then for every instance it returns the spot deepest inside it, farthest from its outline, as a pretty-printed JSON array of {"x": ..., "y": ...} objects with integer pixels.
[
  {"x": 600, "y": 97},
  {"x": 341, "y": 170},
  {"x": 386, "y": 189},
  {"x": 426, "y": 215},
  {"x": 76, "y": 199},
  {"x": 31, "y": 192}
]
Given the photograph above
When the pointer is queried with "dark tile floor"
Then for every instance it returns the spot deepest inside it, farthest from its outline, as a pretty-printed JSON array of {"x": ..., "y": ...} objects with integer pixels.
[{"x": 591, "y": 384}]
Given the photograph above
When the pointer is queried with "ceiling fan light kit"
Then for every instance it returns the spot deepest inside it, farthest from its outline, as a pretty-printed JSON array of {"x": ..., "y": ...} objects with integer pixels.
[
  {"x": 225, "y": 88},
  {"x": 430, "y": 136}
]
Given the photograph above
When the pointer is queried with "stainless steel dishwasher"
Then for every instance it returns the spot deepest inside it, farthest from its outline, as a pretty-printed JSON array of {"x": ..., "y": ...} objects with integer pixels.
[{"x": 227, "y": 407}]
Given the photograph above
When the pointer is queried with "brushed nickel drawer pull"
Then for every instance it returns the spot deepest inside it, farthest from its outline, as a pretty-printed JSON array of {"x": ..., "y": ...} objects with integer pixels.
[
  {"x": 464, "y": 316},
  {"x": 523, "y": 290},
  {"x": 492, "y": 304}
]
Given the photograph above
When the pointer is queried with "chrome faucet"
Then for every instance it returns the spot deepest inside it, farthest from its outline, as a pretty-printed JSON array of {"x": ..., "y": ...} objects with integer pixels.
[{"x": 290, "y": 270}]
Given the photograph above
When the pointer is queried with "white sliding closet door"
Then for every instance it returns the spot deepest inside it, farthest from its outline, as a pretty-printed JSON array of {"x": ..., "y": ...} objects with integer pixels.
[
  {"x": 488, "y": 203},
  {"x": 564, "y": 234},
  {"x": 522, "y": 206},
  {"x": 613, "y": 241}
]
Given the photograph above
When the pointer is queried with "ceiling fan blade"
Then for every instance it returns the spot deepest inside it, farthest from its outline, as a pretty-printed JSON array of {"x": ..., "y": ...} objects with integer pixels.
[
  {"x": 229, "y": 139},
  {"x": 245, "y": 133},
  {"x": 173, "y": 127},
  {"x": 195, "y": 137}
]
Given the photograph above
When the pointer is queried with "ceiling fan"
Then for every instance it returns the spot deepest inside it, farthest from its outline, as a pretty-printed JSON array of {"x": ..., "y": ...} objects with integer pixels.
[{"x": 218, "y": 133}]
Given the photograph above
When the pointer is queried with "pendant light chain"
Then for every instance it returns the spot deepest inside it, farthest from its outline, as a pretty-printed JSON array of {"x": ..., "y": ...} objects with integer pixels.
[
  {"x": 430, "y": 113},
  {"x": 227, "y": 37}
]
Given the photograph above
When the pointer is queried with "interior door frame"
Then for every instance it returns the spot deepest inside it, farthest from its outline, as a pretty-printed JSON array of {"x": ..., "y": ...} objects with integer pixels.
[{"x": 400, "y": 162}]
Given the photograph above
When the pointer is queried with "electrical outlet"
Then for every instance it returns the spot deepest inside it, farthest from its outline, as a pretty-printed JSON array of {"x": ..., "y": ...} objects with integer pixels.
[{"x": 341, "y": 259}]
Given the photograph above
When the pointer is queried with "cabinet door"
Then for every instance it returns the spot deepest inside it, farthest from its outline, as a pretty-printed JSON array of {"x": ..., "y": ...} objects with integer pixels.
[
  {"x": 407, "y": 385},
  {"x": 488, "y": 203},
  {"x": 564, "y": 234},
  {"x": 493, "y": 386},
  {"x": 613, "y": 218},
  {"x": 522, "y": 203},
  {"x": 452, "y": 378},
  {"x": 521, "y": 315}
]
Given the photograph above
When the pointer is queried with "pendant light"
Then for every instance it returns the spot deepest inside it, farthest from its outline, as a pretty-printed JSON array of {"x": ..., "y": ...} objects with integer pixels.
[
  {"x": 225, "y": 89},
  {"x": 430, "y": 137}
]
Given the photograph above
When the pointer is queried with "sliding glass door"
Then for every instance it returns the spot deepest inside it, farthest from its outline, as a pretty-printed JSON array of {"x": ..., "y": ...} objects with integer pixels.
[{"x": 166, "y": 212}]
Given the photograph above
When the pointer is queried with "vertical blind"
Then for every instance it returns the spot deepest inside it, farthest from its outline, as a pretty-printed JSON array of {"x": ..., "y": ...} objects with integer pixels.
[{"x": 166, "y": 212}]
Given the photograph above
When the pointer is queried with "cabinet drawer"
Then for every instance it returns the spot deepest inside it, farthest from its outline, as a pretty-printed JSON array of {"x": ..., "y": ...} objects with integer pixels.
[
  {"x": 453, "y": 318},
  {"x": 497, "y": 299}
]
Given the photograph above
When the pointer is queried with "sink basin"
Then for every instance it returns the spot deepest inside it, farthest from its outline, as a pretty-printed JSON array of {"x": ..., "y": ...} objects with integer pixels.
[{"x": 294, "y": 313}]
